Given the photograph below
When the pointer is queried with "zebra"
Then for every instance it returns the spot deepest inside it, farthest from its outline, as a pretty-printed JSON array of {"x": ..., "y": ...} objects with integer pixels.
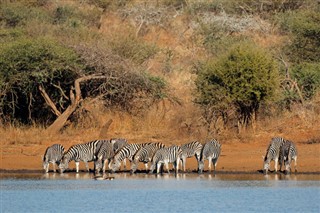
[
  {"x": 210, "y": 151},
  {"x": 105, "y": 153},
  {"x": 118, "y": 143},
  {"x": 128, "y": 151},
  {"x": 165, "y": 156},
  {"x": 53, "y": 154},
  {"x": 189, "y": 150},
  {"x": 145, "y": 154},
  {"x": 273, "y": 153},
  {"x": 288, "y": 153},
  {"x": 85, "y": 152}
]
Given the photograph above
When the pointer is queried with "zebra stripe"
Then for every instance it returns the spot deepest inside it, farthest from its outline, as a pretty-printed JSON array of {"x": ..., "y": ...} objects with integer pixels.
[
  {"x": 105, "y": 153},
  {"x": 189, "y": 150},
  {"x": 128, "y": 151},
  {"x": 211, "y": 152},
  {"x": 145, "y": 154},
  {"x": 81, "y": 152},
  {"x": 289, "y": 152},
  {"x": 118, "y": 143},
  {"x": 273, "y": 153},
  {"x": 53, "y": 154},
  {"x": 165, "y": 156}
]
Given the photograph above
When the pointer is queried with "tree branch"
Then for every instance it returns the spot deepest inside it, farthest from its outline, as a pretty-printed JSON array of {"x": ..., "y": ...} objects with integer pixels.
[{"x": 49, "y": 101}]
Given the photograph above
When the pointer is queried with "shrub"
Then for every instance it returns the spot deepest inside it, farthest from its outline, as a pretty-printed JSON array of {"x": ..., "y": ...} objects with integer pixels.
[
  {"x": 304, "y": 27},
  {"x": 26, "y": 64},
  {"x": 242, "y": 79}
]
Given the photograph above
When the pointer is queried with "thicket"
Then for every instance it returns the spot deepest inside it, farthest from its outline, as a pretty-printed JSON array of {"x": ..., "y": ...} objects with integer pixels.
[
  {"x": 45, "y": 77},
  {"x": 238, "y": 82}
]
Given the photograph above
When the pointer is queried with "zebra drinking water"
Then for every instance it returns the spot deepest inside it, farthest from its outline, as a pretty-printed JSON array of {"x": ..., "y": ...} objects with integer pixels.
[
  {"x": 53, "y": 154},
  {"x": 80, "y": 152},
  {"x": 165, "y": 156},
  {"x": 128, "y": 151},
  {"x": 273, "y": 153},
  {"x": 189, "y": 150},
  {"x": 118, "y": 143},
  {"x": 105, "y": 153},
  {"x": 145, "y": 154},
  {"x": 211, "y": 152},
  {"x": 288, "y": 153}
]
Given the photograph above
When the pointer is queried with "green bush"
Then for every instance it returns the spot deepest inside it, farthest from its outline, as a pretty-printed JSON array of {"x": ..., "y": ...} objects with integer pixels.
[
  {"x": 26, "y": 64},
  {"x": 304, "y": 27},
  {"x": 308, "y": 78},
  {"x": 242, "y": 79}
]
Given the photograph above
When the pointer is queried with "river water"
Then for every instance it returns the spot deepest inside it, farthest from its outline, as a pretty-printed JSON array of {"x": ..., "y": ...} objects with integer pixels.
[{"x": 72, "y": 192}]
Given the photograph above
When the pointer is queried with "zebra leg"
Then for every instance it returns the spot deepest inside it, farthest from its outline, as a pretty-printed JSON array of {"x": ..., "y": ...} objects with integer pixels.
[
  {"x": 54, "y": 166},
  {"x": 209, "y": 166},
  {"x": 276, "y": 165},
  {"x": 167, "y": 167},
  {"x": 295, "y": 164},
  {"x": 104, "y": 166},
  {"x": 158, "y": 167},
  {"x": 124, "y": 164},
  {"x": 87, "y": 166},
  {"x": 146, "y": 166},
  {"x": 183, "y": 163},
  {"x": 77, "y": 167},
  {"x": 177, "y": 165}
]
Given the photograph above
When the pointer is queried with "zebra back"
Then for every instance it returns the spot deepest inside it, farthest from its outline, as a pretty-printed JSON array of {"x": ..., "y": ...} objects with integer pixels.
[
  {"x": 145, "y": 153},
  {"x": 211, "y": 149},
  {"x": 274, "y": 149},
  {"x": 81, "y": 152},
  {"x": 191, "y": 149},
  {"x": 170, "y": 154}
]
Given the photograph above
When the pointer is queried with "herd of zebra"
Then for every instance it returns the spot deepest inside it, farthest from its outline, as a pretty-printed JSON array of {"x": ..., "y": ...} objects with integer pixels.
[{"x": 115, "y": 151}]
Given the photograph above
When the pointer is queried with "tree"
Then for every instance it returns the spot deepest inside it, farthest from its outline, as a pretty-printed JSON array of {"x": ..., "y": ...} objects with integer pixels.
[
  {"x": 241, "y": 80},
  {"x": 44, "y": 82}
]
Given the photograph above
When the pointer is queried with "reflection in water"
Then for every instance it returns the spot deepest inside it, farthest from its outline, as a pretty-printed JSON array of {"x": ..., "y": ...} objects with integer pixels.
[
  {"x": 165, "y": 176},
  {"x": 163, "y": 193}
]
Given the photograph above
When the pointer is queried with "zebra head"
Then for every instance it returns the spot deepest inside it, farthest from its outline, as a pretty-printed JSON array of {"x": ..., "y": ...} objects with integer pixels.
[
  {"x": 64, "y": 164},
  {"x": 266, "y": 164},
  {"x": 200, "y": 167},
  {"x": 98, "y": 164},
  {"x": 115, "y": 165},
  {"x": 45, "y": 165}
]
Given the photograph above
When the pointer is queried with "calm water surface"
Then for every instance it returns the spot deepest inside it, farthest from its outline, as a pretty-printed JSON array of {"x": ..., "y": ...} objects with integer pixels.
[{"x": 167, "y": 193}]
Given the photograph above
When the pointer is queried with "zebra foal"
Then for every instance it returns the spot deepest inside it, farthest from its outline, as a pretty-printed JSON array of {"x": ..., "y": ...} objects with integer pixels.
[
  {"x": 211, "y": 152},
  {"x": 53, "y": 154}
]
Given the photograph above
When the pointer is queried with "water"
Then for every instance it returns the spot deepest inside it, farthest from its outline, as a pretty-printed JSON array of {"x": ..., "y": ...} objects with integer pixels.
[{"x": 149, "y": 193}]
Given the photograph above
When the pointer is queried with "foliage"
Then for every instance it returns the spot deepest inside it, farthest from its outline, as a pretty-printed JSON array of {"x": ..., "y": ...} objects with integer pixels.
[
  {"x": 18, "y": 14},
  {"x": 26, "y": 64},
  {"x": 130, "y": 47},
  {"x": 308, "y": 78},
  {"x": 261, "y": 7},
  {"x": 305, "y": 29},
  {"x": 243, "y": 79}
]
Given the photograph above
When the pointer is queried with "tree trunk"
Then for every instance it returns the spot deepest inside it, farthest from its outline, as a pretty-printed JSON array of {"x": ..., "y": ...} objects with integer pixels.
[{"x": 75, "y": 99}]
